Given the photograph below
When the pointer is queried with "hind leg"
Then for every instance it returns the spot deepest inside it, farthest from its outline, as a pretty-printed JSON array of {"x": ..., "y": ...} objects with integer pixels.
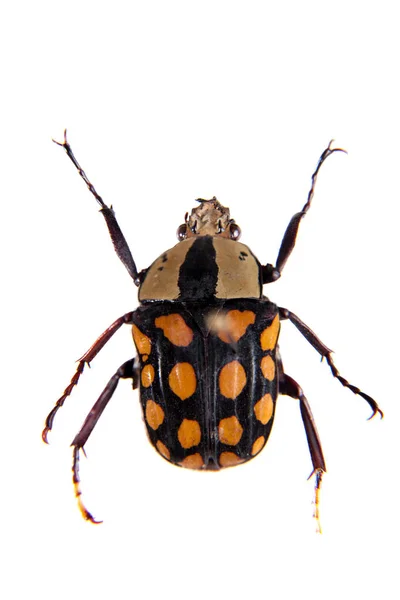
[
  {"x": 289, "y": 387},
  {"x": 126, "y": 371}
]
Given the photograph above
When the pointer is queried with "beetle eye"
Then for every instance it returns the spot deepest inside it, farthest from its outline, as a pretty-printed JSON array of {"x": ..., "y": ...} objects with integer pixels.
[
  {"x": 235, "y": 231},
  {"x": 181, "y": 232}
]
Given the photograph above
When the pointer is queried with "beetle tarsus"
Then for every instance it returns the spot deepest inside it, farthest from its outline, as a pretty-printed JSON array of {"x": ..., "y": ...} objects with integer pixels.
[
  {"x": 61, "y": 400},
  {"x": 77, "y": 488},
  {"x": 373, "y": 404},
  {"x": 317, "y": 489},
  {"x": 71, "y": 156}
]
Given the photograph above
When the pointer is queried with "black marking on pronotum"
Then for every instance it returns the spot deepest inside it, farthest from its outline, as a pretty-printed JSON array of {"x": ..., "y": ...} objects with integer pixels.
[{"x": 198, "y": 275}]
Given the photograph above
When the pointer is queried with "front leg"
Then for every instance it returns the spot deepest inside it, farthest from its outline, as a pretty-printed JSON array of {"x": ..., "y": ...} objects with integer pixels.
[
  {"x": 117, "y": 237},
  {"x": 271, "y": 273}
]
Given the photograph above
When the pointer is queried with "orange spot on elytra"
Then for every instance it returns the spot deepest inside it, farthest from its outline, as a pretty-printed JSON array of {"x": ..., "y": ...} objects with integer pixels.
[
  {"x": 162, "y": 448},
  {"x": 264, "y": 408},
  {"x": 147, "y": 375},
  {"x": 230, "y": 431},
  {"x": 269, "y": 336},
  {"x": 268, "y": 367},
  {"x": 193, "y": 461},
  {"x": 154, "y": 414},
  {"x": 258, "y": 445},
  {"x": 142, "y": 342},
  {"x": 232, "y": 379},
  {"x": 189, "y": 433},
  {"x": 233, "y": 325},
  {"x": 229, "y": 459},
  {"x": 175, "y": 329},
  {"x": 182, "y": 380}
]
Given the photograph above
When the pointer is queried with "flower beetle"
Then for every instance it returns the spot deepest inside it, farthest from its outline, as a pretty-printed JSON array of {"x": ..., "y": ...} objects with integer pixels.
[{"x": 208, "y": 365}]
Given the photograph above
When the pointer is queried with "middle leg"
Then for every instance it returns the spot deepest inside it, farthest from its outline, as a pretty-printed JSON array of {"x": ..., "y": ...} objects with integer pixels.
[{"x": 326, "y": 353}]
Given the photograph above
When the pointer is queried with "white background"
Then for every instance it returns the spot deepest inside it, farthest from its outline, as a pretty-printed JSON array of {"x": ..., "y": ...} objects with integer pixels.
[{"x": 165, "y": 102}]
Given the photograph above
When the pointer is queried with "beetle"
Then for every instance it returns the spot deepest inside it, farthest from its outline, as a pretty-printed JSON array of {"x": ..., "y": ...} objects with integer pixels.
[{"x": 208, "y": 364}]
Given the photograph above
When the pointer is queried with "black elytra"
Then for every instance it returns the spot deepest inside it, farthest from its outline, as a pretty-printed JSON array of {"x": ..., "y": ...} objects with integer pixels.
[{"x": 208, "y": 364}]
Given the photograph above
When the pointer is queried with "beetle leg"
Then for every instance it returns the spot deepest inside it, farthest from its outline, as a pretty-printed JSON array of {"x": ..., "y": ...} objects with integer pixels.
[
  {"x": 326, "y": 353},
  {"x": 271, "y": 273},
  {"x": 117, "y": 237},
  {"x": 126, "y": 371},
  {"x": 289, "y": 387},
  {"x": 86, "y": 358}
]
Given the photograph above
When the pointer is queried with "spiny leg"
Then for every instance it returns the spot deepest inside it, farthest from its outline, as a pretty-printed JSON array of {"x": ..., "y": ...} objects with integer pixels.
[
  {"x": 126, "y": 371},
  {"x": 326, "y": 353},
  {"x": 271, "y": 273},
  {"x": 85, "y": 359},
  {"x": 289, "y": 387},
  {"x": 120, "y": 244}
]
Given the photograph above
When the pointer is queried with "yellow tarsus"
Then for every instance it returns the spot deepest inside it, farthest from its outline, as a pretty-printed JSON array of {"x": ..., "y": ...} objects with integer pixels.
[{"x": 317, "y": 488}]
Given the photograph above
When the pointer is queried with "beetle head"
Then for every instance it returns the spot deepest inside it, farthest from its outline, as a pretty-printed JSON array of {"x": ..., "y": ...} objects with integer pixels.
[{"x": 210, "y": 218}]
